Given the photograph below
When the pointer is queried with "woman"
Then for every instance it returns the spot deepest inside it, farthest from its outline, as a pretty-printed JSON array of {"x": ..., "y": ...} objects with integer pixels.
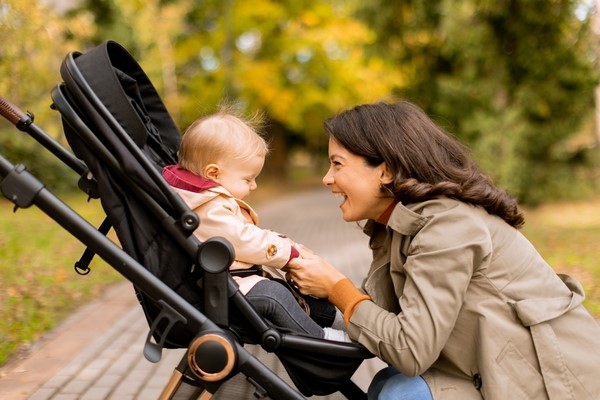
[{"x": 456, "y": 300}]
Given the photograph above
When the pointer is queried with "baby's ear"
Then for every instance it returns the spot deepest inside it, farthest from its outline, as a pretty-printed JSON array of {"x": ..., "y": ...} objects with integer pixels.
[{"x": 211, "y": 171}]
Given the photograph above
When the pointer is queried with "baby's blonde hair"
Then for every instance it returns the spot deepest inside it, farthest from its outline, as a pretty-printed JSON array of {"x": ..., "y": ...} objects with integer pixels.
[{"x": 224, "y": 134}]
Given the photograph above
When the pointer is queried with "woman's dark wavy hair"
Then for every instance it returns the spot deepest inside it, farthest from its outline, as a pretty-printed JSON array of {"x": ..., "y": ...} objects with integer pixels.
[{"x": 425, "y": 160}]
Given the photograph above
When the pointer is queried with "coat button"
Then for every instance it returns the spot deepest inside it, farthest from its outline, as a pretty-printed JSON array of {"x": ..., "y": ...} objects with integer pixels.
[
  {"x": 271, "y": 251},
  {"x": 477, "y": 381}
]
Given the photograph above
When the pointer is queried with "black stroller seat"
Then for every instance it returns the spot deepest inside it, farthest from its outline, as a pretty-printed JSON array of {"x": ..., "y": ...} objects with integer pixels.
[{"x": 117, "y": 125}]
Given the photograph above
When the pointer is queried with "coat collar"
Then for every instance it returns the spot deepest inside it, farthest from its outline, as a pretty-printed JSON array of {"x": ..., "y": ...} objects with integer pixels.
[
  {"x": 183, "y": 179},
  {"x": 402, "y": 219},
  {"x": 206, "y": 189}
]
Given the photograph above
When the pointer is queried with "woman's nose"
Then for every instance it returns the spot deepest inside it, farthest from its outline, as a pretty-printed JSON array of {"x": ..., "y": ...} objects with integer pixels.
[{"x": 328, "y": 178}]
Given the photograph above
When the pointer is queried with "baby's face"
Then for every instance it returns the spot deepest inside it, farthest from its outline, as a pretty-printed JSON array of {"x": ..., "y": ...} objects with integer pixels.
[{"x": 239, "y": 177}]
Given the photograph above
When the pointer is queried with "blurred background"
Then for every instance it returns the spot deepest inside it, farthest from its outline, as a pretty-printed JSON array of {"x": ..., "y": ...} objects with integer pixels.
[{"x": 515, "y": 80}]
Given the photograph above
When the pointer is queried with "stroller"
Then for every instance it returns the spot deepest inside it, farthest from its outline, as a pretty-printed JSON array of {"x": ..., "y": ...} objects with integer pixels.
[{"x": 121, "y": 137}]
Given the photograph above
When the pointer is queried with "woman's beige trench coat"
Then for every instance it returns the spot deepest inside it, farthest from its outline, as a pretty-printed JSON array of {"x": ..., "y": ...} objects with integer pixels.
[{"x": 464, "y": 299}]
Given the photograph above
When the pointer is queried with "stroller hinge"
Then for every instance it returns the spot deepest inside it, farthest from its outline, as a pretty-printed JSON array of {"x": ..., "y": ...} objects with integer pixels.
[
  {"x": 153, "y": 350},
  {"x": 21, "y": 187},
  {"x": 25, "y": 121},
  {"x": 88, "y": 184}
]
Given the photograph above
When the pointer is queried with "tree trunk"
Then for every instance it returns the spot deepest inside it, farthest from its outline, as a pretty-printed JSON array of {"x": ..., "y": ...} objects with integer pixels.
[{"x": 276, "y": 165}]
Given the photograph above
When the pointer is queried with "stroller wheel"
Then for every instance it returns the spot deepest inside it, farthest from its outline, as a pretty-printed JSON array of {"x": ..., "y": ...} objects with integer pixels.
[{"x": 211, "y": 357}]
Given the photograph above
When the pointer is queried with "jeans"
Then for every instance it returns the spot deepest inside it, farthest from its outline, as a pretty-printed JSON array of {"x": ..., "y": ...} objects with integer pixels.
[
  {"x": 321, "y": 310},
  {"x": 277, "y": 304},
  {"x": 389, "y": 384}
]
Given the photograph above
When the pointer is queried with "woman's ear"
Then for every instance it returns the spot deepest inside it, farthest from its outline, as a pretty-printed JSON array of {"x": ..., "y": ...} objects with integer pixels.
[
  {"x": 386, "y": 175},
  {"x": 211, "y": 171}
]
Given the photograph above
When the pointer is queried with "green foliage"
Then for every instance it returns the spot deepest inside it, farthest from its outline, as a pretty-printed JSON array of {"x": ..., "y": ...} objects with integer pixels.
[
  {"x": 38, "y": 287},
  {"x": 53, "y": 173},
  {"x": 297, "y": 61},
  {"x": 566, "y": 235},
  {"x": 514, "y": 85},
  {"x": 34, "y": 42},
  {"x": 408, "y": 36},
  {"x": 537, "y": 89}
]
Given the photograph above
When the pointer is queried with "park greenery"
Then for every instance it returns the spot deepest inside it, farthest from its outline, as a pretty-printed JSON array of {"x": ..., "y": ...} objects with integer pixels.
[{"x": 514, "y": 80}]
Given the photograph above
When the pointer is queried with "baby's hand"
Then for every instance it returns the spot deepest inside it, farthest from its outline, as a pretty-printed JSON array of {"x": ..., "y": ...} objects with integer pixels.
[
  {"x": 304, "y": 251},
  {"x": 299, "y": 247}
]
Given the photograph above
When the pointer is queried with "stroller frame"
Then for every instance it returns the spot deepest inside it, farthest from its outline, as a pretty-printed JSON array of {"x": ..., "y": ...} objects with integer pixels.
[{"x": 215, "y": 352}]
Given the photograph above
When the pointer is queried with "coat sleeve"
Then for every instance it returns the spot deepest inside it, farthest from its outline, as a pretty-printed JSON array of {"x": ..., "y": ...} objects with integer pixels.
[
  {"x": 435, "y": 273},
  {"x": 252, "y": 244}
]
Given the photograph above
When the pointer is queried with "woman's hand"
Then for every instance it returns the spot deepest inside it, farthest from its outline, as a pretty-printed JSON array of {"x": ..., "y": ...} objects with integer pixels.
[{"x": 312, "y": 274}]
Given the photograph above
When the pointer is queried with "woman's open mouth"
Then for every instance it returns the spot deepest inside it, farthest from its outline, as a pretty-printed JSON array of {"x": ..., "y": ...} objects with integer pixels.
[{"x": 342, "y": 196}]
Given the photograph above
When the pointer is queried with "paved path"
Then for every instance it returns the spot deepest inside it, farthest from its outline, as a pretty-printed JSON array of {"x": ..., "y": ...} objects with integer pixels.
[{"x": 96, "y": 354}]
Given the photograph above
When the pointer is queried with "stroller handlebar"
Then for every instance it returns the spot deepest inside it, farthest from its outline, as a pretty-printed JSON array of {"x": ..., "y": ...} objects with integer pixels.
[{"x": 14, "y": 114}]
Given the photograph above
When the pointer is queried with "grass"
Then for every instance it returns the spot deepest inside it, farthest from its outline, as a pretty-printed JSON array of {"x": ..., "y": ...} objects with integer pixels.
[
  {"x": 39, "y": 288},
  {"x": 567, "y": 235},
  {"x": 38, "y": 285}
]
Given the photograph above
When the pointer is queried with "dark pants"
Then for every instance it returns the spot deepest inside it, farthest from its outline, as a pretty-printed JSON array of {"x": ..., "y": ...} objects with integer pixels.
[
  {"x": 277, "y": 304},
  {"x": 320, "y": 310}
]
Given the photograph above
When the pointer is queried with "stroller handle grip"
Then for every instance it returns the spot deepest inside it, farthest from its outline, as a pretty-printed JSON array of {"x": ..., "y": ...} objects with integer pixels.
[{"x": 12, "y": 112}]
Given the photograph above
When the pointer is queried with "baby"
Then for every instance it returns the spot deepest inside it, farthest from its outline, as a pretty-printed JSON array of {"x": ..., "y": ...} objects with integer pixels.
[{"x": 220, "y": 157}]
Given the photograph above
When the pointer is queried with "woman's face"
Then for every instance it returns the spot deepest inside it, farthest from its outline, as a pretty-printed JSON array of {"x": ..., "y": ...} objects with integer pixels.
[{"x": 357, "y": 183}]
